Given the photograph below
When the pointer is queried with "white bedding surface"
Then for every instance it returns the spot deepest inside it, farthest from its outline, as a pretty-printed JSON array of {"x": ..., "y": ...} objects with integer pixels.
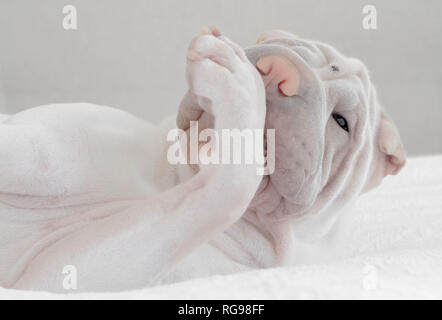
[{"x": 388, "y": 246}]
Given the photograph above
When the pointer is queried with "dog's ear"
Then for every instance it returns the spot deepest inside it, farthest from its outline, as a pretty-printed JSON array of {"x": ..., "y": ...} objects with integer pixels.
[
  {"x": 274, "y": 34},
  {"x": 389, "y": 155},
  {"x": 280, "y": 72},
  {"x": 390, "y": 144}
]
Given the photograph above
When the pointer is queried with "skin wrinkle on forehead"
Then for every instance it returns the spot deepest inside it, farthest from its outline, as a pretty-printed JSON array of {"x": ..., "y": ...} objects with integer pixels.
[
  {"x": 344, "y": 95},
  {"x": 309, "y": 52},
  {"x": 374, "y": 114}
]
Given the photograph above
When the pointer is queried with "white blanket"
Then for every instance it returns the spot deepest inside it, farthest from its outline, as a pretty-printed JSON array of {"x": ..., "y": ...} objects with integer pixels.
[{"x": 388, "y": 246}]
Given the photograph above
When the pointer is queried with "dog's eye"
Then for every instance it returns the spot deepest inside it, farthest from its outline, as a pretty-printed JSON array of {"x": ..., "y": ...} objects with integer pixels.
[{"x": 341, "y": 121}]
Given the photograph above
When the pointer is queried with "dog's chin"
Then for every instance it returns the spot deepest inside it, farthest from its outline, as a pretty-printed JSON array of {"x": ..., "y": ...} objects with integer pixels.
[
  {"x": 287, "y": 192},
  {"x": 269, "y": 201}
]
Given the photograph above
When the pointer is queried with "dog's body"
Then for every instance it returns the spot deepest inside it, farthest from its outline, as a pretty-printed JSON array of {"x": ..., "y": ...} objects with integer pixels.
[
  {"x": 83, "y": 186},
  {"x": 90, "y": 186}
]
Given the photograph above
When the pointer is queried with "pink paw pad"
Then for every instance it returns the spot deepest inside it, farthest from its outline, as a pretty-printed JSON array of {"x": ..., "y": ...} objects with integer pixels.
[{"x": 278, "y": 71}]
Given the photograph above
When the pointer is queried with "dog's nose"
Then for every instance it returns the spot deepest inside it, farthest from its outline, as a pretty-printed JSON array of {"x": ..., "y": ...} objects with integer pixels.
[{"x": 278, "y": 71}]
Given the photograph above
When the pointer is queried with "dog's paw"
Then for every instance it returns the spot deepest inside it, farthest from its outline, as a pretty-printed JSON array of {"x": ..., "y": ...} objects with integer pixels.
[{"x": 228, "y": 86}]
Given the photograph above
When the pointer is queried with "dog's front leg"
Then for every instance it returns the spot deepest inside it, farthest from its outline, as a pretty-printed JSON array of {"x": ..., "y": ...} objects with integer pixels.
[{"x": 142, "y": 240}]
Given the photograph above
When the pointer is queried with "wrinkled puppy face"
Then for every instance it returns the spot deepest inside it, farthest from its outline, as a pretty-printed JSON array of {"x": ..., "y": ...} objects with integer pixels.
[{"x": 333, "y": 140}]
